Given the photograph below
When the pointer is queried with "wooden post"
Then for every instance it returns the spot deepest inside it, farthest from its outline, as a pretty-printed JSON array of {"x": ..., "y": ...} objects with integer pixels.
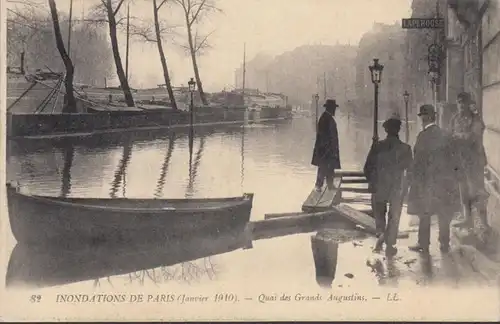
[
  {"x": 324, "y": 84},
  {"x": 69, "y": 27},
  {"x": 22, "y": 62},
  {"x": 128, "y": 37},
  {"x": 375, "y": 114},
  {"x": 244, "y": 72}
]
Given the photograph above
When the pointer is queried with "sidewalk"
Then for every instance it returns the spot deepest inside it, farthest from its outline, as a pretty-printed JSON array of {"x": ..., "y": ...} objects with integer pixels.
[{"x": 465, "y": 260}]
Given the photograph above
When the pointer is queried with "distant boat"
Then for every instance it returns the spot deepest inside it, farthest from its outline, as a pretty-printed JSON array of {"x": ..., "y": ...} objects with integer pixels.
[{"x": 75, "y": 221}]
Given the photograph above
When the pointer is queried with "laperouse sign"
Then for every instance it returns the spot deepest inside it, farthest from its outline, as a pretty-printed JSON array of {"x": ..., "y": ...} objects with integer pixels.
[{"x": 422, "y": 23}]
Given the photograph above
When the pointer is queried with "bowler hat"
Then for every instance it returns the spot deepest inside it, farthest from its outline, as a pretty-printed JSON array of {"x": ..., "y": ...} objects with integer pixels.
[
  {"x": 330, "y": 103},
  {"x": 427, "y": 110},
  {"x": 394, "y": 121}
]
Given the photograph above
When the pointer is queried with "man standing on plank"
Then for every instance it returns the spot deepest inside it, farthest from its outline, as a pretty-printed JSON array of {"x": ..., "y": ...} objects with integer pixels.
[{"x": 326, "y": 148}]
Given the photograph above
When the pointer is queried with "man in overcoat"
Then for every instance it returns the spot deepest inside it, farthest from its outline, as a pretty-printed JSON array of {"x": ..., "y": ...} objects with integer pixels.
[
  {"x": 326, "y": 148},
  {"x": 433, "y": 189},
  {"x": 384, "y": 169},
  {"x": 467, "y": 129}
]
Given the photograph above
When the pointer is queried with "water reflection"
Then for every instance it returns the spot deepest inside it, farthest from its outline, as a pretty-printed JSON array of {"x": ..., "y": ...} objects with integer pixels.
[
  {"x": 325, "y": 254},
  {"x": 193, "y": 165},
  {"x": 185, "y": 259},
  {"x": 69, "y": 154},
  {"x": 270, "y": 159},
  {"x": 119, "y": 177},
  {"x": 426, "y": 269},
  {"x": 164, "y": 167},
  {"x": 385, "y": 270},
  {"x": 242, "y": 153}
]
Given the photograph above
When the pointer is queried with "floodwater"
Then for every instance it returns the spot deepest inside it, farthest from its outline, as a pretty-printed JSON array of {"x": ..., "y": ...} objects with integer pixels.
[{"x": 271, "y": 159}]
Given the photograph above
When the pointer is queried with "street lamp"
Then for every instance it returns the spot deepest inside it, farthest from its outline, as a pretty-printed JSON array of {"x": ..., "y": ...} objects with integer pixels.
[
  {"x": 376, "y": 74},
  {"x": 433, "y": 60},
  {"x": 192, "y": 86},
  {"x": 316, "y": 99},
  {"x": 406, "y": 97}
]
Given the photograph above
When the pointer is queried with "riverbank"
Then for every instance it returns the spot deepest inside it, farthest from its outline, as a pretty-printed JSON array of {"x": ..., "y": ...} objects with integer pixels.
[{"x": 42, "y": 126}]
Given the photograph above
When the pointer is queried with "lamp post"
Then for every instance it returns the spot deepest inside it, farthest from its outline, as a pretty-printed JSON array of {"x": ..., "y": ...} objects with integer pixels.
[
  {"x": 434, "y": 78},
  {"x": 376, "y": 74},
  {"x": 406, "y": 97},
  {"x": 316, "y": 99},
  {"x": 433, "y": 57},
  {"x": 192, "y": 86}
]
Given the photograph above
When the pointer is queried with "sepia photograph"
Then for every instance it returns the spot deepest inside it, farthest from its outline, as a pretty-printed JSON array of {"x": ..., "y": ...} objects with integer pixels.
[{"x": 167, "y": 160}]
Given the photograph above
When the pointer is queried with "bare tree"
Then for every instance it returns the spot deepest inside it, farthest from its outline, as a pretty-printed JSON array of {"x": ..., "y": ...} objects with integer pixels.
[
  {"x": 30, "y": 40},
  {"x": 22, "y": 23},
  {"x": 145, "y": 33},
  {"x": 163, "y": 59},
  {"x": 112, "y": 23},
  {"x": 69, "y": 97},
  {"x": 194, "y": 11}
]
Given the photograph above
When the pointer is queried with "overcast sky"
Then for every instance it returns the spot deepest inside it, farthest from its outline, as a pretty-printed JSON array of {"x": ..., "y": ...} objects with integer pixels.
[{"x": 269, "y": 26}]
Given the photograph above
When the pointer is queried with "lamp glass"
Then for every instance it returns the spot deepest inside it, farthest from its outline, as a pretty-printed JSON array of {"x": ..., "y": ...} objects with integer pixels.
[
  {"x": 376, "y": 71},
  {"x": 406, "y": 96},
  {"x": 191, "y": 85}
]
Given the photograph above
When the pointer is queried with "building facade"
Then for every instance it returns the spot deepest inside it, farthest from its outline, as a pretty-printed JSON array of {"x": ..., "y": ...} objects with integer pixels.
[
  {"x": 473, "y": 65},
  {"x": 470, "y": 62}
]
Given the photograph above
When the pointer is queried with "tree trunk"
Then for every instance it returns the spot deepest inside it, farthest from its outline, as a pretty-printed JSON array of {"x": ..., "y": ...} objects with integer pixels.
[
  {"x": 195, "y": 64},
  {"x": 116, "y": 54},
  {"x": 162, "y": 58},
  {"x": 69, "y": 97}
]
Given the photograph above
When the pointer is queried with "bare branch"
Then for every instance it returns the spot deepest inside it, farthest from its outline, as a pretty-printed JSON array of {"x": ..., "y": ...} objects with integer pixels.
[
  {"x": 118, "y": 7},
  {"x": 19, "y": 2},
  {"x": 161, "y": 4},
  {"x": 183, "y": 5},
  {"x": 195, "y": 15},
  {"x": 203, "y": 43},
  {"x": 120, "y": 21},
  {"x": 29, "y": 3},
  {"x": 22, "y": 24},
  {"x": 145, "y": 33},
  {"x": 18, "y": 14}
]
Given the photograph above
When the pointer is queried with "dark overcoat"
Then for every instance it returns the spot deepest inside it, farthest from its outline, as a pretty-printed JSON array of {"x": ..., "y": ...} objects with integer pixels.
[
  {"x": 433, "y": 175},
  {"x": 326, "y": 147},
  {"x": 385, "y": 166},
  {"x": 468, "y": 149}
]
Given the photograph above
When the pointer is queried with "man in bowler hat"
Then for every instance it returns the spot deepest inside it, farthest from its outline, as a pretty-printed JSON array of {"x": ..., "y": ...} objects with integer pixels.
[
  {"x": 433, "y": 189},
  {"x": 326, "y": 148},
  {"x": 384, "y": 169}
]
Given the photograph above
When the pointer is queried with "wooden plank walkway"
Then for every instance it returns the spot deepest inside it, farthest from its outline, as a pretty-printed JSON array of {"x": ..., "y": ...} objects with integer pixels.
[
  {"x": 357, "y": 217},
  {"x": 318, "y": 201},
  {"x": 325, "y": 209}
]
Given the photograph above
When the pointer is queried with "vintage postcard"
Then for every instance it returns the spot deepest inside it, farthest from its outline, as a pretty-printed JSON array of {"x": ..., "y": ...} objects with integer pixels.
[{"x": 168, "y": 160}]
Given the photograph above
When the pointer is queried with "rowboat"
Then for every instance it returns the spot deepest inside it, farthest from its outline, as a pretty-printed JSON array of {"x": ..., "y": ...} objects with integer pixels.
[{"x": 69, "y": 221}]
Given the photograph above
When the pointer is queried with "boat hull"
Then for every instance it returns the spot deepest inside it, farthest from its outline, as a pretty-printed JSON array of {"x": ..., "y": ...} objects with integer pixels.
[
  {"x": 29, "y": 124},
  {"x": 39, "y": 220}
]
